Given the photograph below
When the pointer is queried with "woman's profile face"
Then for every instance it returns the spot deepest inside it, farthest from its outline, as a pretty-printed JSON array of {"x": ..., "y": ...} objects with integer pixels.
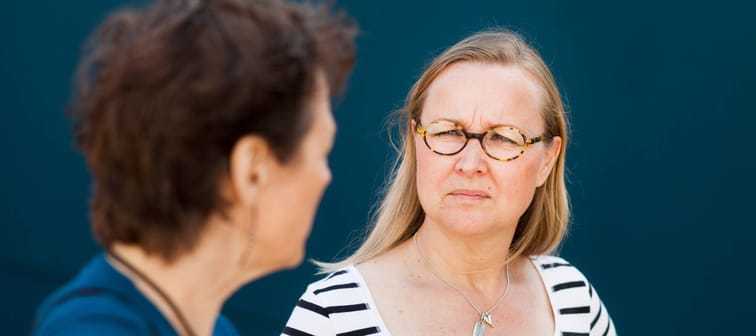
[
  {"x": 469, "y": 192},
  {"x": 288, "y": 207}
]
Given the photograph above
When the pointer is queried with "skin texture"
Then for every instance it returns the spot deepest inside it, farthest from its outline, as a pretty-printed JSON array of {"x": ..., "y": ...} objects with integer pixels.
[{"x": 472, "y": 204}]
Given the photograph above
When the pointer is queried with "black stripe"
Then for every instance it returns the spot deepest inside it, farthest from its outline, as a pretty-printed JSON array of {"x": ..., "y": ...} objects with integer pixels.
[
  {"x": 347, "y": 308},
  {"x": 590, "y": 291},
  {"x": 312, "y": 307},
  {"x": 597, "y": 317},
  {"x": 575, "y": 310},
  {"x": 327, "y": 311},
  {"x": 568, "y": 333},
  {"x": 336, "y": 274},
  {"x": 608, "y": 326},
  {"x": 554, "y": 265},
  {"x": 294, "y": 332},
  {"x": 360, "y": 332},
  {"x": 568, "y": 285},
  {"x": 341, "y": 286}
]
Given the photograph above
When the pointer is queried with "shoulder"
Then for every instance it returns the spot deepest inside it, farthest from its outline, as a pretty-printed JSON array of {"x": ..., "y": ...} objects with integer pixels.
[
  {"x": 557, "y": 268},
  {"x": 550, "y": 261},
  {"x": 566, "y": 284},
  {"x": 336, "y": 287},
  {"x": 224, "y": 327},
  {"x": 576, "y": 303},
  {"x": 89, "y": 312},
  {"x": 98, "y": 300},
  {"x": 338, "y": 303}
]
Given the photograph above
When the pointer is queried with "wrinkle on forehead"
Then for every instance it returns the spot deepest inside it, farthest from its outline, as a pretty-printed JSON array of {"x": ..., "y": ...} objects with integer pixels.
[{"x": 482, "y": 95}]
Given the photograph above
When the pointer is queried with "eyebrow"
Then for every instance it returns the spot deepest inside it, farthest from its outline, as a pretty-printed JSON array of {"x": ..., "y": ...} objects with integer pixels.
[{"x": 460, "y": 123}]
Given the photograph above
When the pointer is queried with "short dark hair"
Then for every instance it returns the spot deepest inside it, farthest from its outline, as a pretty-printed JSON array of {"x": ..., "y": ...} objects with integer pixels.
[{"x": 165, "y": 92}]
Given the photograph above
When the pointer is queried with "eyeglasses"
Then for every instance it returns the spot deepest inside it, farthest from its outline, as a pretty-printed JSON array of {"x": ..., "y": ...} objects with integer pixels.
[{"x": 503, "y": 143}]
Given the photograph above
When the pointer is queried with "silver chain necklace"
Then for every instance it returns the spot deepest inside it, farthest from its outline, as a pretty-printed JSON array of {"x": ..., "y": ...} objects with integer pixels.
[{"x": 485, "y": 316}]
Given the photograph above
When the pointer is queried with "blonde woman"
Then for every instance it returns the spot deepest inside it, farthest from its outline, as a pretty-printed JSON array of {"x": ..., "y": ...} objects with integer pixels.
[{"x": 461, "y": 241}]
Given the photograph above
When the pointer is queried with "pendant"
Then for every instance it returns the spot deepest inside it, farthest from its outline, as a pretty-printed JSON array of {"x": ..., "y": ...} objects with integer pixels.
[
  {"x": 486, "y": 317},
  {"x": 480, "y": 329}
]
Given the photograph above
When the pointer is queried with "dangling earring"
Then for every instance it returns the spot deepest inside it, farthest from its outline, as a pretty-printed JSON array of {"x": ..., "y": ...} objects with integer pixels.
[{"x": 250, "y": 238}]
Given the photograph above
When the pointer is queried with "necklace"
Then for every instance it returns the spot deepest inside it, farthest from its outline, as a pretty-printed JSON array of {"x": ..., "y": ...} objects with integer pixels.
[
  {"x": 485, "y": 316},
  {"x": 174, "y": 308}
]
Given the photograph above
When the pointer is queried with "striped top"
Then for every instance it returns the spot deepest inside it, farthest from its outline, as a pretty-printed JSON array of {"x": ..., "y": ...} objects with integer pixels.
[{"x": 341, "y": 304}]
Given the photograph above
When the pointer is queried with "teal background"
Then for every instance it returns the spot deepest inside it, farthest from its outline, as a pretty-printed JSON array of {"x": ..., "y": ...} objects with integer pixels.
[{"x": 661, "y": 164}]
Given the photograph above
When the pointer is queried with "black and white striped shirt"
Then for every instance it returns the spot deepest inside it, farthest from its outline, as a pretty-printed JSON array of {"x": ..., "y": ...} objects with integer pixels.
[{"x": 341, "y": 304}]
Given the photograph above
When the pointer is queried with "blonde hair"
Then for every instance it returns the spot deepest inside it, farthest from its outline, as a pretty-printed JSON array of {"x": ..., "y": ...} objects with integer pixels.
[{"x": 543, "y": 225}]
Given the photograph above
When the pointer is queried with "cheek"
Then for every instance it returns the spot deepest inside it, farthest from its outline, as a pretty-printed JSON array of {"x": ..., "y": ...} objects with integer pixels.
[
  {"x": 297, "y": 197},
  {"x": 422, "y": 168},
  {"x": 316, "y": 179},
  {"x": 520, "y": 175},
  {"x": 430, "y": 173},
  {"x": 517, "y": 182},
  {"x": 300, "y": 199}
]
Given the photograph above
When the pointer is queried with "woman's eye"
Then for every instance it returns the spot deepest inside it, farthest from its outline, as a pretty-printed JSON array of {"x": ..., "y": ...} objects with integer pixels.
[
  {"x": 498, "y": 138},
  {"x": 449, "y": 133}
]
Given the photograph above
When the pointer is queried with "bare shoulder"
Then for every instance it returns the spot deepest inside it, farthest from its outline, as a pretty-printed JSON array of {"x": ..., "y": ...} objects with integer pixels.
[
  {"x": 391, "y": 278},
  {"x": 385, "y": 268}
]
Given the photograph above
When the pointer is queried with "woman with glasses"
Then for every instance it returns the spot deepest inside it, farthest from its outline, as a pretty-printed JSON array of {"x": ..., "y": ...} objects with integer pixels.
[
  {"x": 206, "y": 126},
  {"x": 461, "y": 241}
]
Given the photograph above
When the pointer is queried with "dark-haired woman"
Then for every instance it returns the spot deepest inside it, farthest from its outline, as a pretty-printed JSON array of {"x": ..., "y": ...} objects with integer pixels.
[{"x": 206, "y": 126}]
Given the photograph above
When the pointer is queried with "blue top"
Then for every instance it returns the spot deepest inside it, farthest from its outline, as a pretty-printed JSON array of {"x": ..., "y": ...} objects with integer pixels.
[{"x": 101, "y": 301}]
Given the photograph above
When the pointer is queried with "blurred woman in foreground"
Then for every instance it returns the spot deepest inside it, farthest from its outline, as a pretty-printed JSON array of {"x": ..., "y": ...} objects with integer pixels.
[{"x": 206, "y": 126}]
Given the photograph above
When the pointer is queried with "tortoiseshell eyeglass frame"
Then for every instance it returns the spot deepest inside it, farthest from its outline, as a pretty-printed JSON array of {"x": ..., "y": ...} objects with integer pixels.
[{"x": 422, "y": 131}]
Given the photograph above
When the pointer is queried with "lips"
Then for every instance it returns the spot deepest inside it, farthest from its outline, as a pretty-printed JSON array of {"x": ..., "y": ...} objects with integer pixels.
[{"x": 469, "y": 194}]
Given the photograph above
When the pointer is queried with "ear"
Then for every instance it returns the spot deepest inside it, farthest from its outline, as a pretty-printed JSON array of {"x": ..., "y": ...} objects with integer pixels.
[
  {"x": 250, "y": 167},
  {"x": 550, "y": 157}
]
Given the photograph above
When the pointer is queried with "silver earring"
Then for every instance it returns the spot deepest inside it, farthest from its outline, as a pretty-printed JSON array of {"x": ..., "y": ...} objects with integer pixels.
[{"x": 243, "y": 258}]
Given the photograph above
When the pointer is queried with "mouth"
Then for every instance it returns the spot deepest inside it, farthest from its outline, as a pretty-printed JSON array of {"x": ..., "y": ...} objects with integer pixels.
[{"x": 469, "y": 194}]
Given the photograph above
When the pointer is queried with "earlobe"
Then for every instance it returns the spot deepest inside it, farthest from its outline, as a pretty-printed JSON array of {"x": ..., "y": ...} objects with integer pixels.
[{"x": 249, "y": 168}]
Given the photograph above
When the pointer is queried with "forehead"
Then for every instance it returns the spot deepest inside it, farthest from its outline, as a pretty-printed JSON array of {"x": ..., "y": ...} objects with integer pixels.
[{"x": 481, "y": 95}]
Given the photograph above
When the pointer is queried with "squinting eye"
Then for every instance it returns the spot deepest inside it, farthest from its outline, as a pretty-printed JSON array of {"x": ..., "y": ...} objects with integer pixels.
[
  {"x": 449, "y": 133},
  {"x": 498, "y": 138},
  {"x": 446, "y": 133}
]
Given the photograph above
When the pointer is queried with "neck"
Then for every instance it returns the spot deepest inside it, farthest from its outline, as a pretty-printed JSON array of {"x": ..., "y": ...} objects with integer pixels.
[
  {"x": 477, "y": 262},
  {"x": 198, "y": 282}
]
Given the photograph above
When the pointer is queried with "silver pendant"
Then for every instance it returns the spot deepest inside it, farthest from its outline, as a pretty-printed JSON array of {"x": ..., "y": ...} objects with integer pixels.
[
  {"x": 480, "y": 329},
  {"x": 486, "y": 317}
]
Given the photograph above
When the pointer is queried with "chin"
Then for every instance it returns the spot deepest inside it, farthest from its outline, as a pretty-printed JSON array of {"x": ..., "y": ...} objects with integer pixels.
[
  {"x": 467, "y": 223},
  {"x": 295, "y": 260}
]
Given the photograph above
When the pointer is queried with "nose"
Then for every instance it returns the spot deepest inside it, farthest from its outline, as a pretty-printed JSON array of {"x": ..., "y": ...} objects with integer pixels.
[{"x": 472, "y": 159}]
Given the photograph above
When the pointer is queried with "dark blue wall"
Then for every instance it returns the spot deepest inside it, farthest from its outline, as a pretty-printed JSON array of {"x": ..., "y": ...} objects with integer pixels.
[{"x": 662, "y": 161}]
